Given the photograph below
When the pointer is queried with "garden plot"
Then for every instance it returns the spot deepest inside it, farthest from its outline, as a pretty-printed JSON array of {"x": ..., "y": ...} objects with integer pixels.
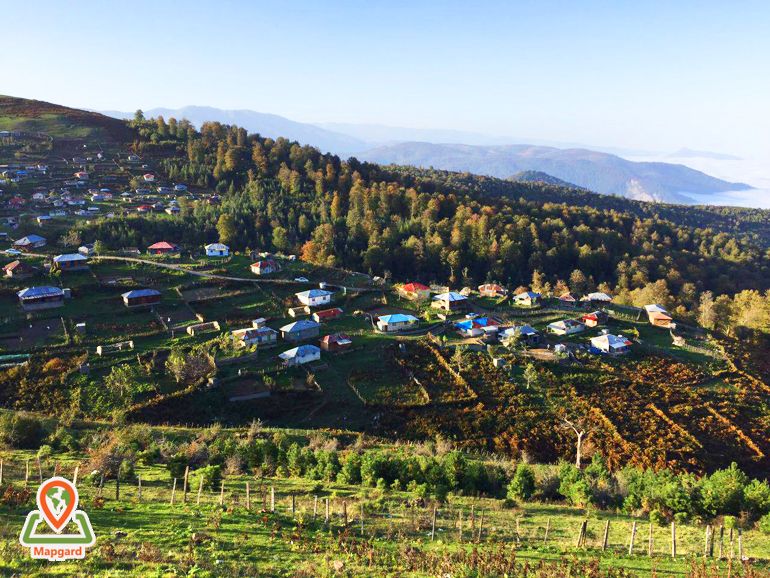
[
  {"x": 33, "y": 333},
  {"x": 239, "y": 308},
  {"x": 175, "y": 314}
]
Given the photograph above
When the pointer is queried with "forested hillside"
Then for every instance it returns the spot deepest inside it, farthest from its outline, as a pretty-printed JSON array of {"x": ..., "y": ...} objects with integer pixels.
[{"x": 448, "y": 227}]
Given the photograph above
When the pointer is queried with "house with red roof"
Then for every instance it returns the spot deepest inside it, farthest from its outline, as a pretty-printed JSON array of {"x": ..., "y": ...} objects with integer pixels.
[
  {"x": 162, "y": 248},
  {"x": 264, "y": 267},
  {"x": 18, "y": 270},
  {"x": 492, "y": 290},
  {"x": 414, "y": 291},
  {"x": 336, "y": 342},
  {"x": 327, "y": 314}
]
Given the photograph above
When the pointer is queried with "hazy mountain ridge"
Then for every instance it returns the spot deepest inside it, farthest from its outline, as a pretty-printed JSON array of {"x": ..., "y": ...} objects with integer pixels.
[
  {"x": 596, "y": 171},
  {"x": 270, "y": 125}
]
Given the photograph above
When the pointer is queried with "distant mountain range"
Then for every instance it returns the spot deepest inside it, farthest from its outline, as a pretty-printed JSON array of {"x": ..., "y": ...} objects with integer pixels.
[
  {"x": 541, "y": 177},
  {"x": 596, "y": 171},
  {"x": 602, "y": 172},
  {"x": 270, "y": 125}
]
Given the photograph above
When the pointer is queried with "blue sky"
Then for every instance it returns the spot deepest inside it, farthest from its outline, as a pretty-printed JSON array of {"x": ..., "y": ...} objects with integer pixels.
[{"x": 646, "y": 75}]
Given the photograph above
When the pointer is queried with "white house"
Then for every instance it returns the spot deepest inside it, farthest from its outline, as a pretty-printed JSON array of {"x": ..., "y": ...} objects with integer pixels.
[
  {"x": 217, "y": 250},
  {"x": 566, "y": 327},
  {"x": 611, "y": 344},
  {"x": 300, "y": 355},
  {"x": 314, "y": 297}
]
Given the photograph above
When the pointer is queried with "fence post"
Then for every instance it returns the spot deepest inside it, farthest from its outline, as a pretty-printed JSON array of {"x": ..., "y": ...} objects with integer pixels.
[
  {"x": 631, "y": 542},
  {"x": 581, "y": 533},
  {"x": 315, "y": 507},
  {"x": 26, "y": 473},
  {"x": 433, "y": 525},
  {"x": 101, "y": 485},
  {"x": 1, "y": 472},
  {"x": 293, "y": 504},
  {"x": 673, "y": 539},
  {"x": 117, "y": 487},
  {"x": 248, "y": 496},
  {"x": 706, "y": 542},
  {"x": 75, "y": 475},
  {"x": 272, "y": 498},
  {"x": 481, "y": 526},
  {"x": 326, "y": 517},
  {"x": 460, "y": 525},
  {"x": 362, "y": 518},
  {"x": 606, "y": 535},
  {"x": 344, "y": 513},
  {"x": 721, "y": 541},
  {"x": 547, "y": 528},
  {"x": 139, "y": 488},
  {"x": 732, "y": 544},
  {"x": 173, "y": 492},
  {"x": 200, "y": 490},
  {"x": 649, "y": 542},
  {"x": 184, "y": 486}
]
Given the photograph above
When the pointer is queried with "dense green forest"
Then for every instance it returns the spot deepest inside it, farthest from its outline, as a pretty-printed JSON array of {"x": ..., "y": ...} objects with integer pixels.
[{"x": 405, "y": 223}]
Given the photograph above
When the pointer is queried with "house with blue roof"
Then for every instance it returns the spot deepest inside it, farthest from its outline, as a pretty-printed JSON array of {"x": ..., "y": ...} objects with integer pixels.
[
  {"x": 314, "y": 297},
  {"x": 30, "y": 242},
  {"x": 396, "y": 322},
  {"x": 477, "y": 326},
  {"x": 300, "y": 330},
  {"x": 141, "y": 298},
  {"x": 450, "y": 301},
  {"x": 70, "y": 262},
  {"x": 527, "y": 298},
  {"x": 300, "y": 355},
  {"x": 44, "y": 297}
]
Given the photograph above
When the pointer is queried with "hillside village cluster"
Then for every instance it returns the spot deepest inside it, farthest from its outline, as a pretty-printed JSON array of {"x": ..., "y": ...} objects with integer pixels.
[{"x": 50, "y": 195}]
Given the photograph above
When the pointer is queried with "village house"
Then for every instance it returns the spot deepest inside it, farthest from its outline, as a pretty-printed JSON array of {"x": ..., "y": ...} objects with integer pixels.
[
  {"x": 566, "y": 327},
  {"x": 44, "y": 297},
  {"x": 173, "y": 210},
  {"x": 148, "y": 178},
  {"x": 336, "y": 342},
  {"x": 658, "y": 316},
  {"x": 314, "y": 297},
  {"x": 396, "y": 322},
  {"x": 597, "y": 297},
  {"x": 180, "y": 188},
  {"x": 450, "y": 301},
  {"x": 217, "y": 250},
  {"x": 300, "y": 355},
  {"x": 162, "y": 248},
  {"x": 141, "y": 298},
  {"x": 298, "y": 311},
  {"x": 525, "y": 334},
  {"x": 30, "y": 242},
  {"x": 477, "y": 326},
  {"x": 19, "y": 270},
  {"x": 567, "y": 299},
  {"x": 70, "y": 262},
  {"x": 261, "y": 336},
  {"x": 492, "y": 290},
  {"x": 414, "y": 291},
  {"x": 264, "y": 267},
  {"x": 326, "y": 315},
  {"x": 527, "y": 299},
  {"x": 595, "y": 319},
  {"x": 300, "y": 330},
  {"x": 611, "y": 344}
]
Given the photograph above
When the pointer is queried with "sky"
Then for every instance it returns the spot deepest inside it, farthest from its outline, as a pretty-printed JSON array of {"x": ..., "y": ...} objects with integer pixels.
[{"x": 643, "y": 75}]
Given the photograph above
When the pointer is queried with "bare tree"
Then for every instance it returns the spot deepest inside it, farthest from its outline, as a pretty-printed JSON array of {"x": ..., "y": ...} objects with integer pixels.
[{"x": 582, "y": 429}]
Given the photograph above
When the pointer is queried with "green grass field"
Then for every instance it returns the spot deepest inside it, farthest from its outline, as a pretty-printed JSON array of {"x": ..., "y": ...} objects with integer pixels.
[{"x": 226, "y": 532}]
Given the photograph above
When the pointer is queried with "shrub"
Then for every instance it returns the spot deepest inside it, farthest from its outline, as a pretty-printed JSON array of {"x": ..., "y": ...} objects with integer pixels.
[
  {"x": 658, "y": 518},
  {"x": 756, "y": 498},
  {"x": 522, "y": 485},
  {"x": 764, "y": 524},
  {"x": 730, "y": 522},
  {"x": 573, "y": 486},
  {"x": 21, "y": 431},
  {"x": 722, "y": 491}
]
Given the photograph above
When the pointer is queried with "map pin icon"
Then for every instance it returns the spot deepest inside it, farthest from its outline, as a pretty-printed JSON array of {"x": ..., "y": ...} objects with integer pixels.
[{"x": 57, "y": 499}]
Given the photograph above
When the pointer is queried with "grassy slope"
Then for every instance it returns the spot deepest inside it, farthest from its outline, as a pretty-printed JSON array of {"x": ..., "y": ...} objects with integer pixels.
[
  {"x": 230, "y": 540},
  {"x": 59, "y": 121}
]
